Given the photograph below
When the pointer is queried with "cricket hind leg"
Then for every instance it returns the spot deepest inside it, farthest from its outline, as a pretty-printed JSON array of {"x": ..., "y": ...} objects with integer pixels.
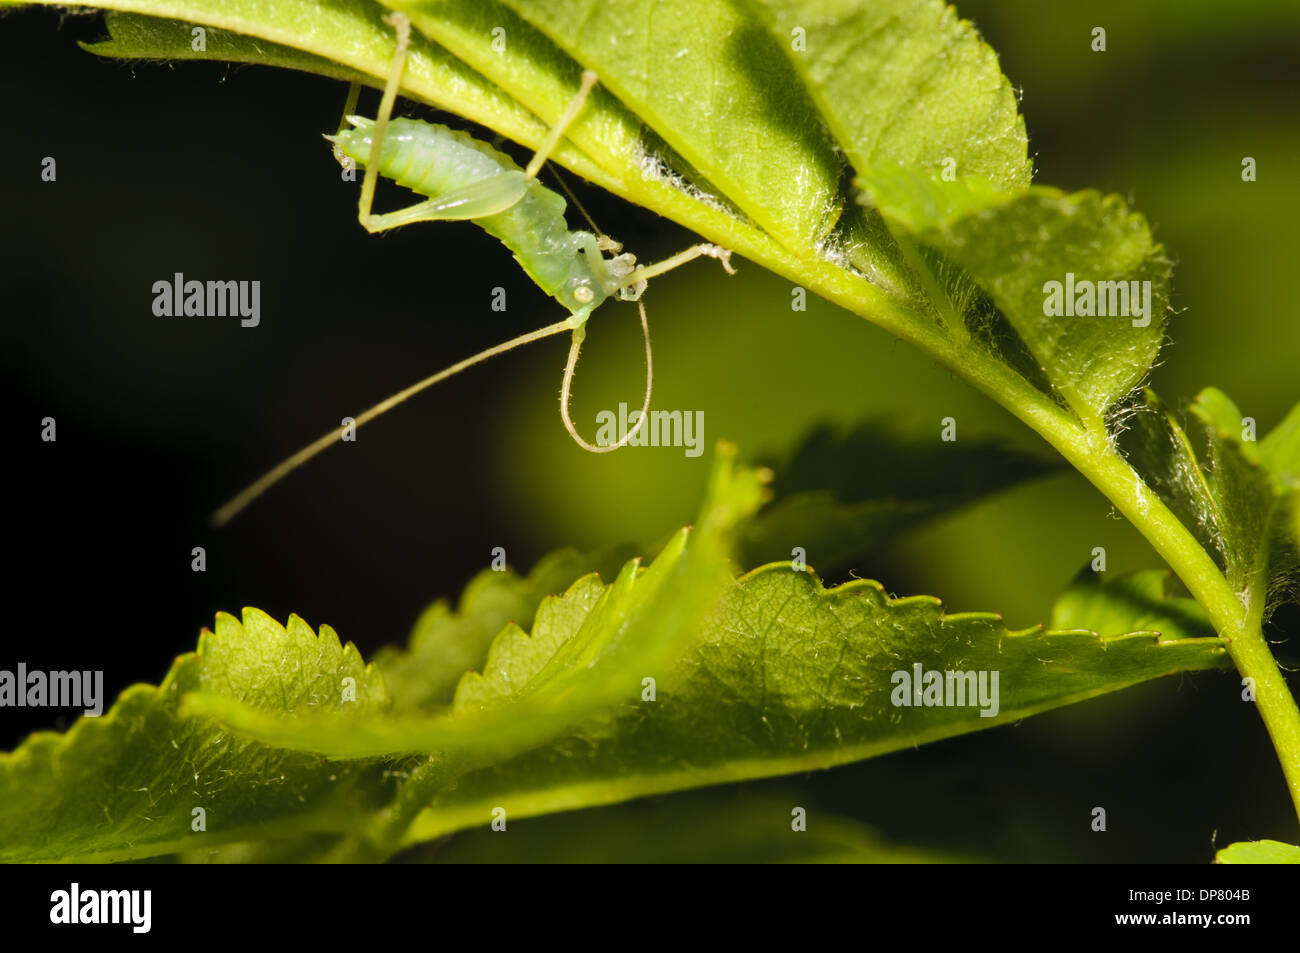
[
  {"x": 562, "y": 125},
  {"x": 475, "y": 200},
  {"x": 478, "y": 199},
  {"x": 402, "y": 26}
]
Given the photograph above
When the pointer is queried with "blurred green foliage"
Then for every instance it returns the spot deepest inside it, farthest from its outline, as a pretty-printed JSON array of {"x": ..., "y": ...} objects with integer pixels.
[{"x": 224, "y": 168}]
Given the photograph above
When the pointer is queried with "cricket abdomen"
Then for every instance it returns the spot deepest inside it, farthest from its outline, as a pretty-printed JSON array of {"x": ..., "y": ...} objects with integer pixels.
[{"x": 434, "y": 160}]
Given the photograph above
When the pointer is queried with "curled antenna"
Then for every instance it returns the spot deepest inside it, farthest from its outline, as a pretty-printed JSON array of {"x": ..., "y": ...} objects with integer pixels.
[
  {"x": 602, "y": 240},
  {"x": 574, "y": 349}
]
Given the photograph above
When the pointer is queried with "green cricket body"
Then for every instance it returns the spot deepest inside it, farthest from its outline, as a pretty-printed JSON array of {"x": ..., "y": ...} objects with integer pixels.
[
  {"x": 464, "y": 179},
  {"x": 435, "y": 161}
]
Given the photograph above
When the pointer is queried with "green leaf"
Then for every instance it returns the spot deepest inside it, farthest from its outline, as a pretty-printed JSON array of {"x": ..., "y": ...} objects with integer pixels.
[
  {"x": 1279, "y": 452},
  {"x": 721, "y": 94},
  {"x": 132, "y": 36},
  {"x": 1013, "y": 249},
  {"x": 654, "y": 166},
  {"x": 589, "y": 650},
  {"x": 784, "y": 677},
  {"x": 1259, "y": 852},
  {"x": 1240, "y": 502},
  {"x": 1253, "y": 499},
  {"x": 912, "y": 95},
  {"x": 919, "y": 105},
  {"x": 1295, "y": 521},
  {"x": 939, "y": 149},
  {"x": 341, "y": 39},
  {"x": 1239, "y": 485},
  {"x": 1137, "y": 602},
  {"x": 306, "y": 849},
  {"x": 711, "y": 828},
  {"x": 446, "y": 643},
  {"x": 719, "y": 827},
  {"x": 536, "y": 73},
  {"x": 841, "y": 496},
  {"x": 950, "y": 170},
  {"x": 919, "y": 201},
  {"x": 516, "y": 658},
  {"x": 125, "y": 785},
  {"x": 1158, "y": 448}
]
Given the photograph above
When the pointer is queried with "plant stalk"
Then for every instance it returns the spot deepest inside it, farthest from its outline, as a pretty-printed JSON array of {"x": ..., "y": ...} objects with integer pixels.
[{"x": 1090, "y": 450}]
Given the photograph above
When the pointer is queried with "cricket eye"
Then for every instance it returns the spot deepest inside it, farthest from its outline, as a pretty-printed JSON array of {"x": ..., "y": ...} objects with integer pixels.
[{"x": 583, "y": 294}]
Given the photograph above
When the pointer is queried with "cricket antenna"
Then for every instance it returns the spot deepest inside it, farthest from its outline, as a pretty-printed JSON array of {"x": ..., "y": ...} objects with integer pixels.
[
  {"x": 605, "y": 242},
  {"x": 237, "y": 505},
  {"x": 574, "y": 349}
]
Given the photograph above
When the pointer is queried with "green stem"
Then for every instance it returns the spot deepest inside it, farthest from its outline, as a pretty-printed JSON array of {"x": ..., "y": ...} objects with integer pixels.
[
  {"x": 1235, "y": 617},
  {"x": 382, "y": 838},
  {"x": 1089, "y": 449}
]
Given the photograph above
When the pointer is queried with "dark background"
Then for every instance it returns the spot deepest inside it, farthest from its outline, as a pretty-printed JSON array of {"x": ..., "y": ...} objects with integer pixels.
[{"x": 219, "y": 172}]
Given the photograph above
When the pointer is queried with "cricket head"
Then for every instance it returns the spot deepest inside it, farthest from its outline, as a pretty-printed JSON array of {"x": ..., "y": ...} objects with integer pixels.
[{"x": 620, "y": 267}]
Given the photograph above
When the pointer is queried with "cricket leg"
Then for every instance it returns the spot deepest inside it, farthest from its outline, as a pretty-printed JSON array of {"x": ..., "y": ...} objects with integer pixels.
[
  {"x": 558, "y": 130},
  {"x": 402, "y": 25},
  {"x": 478, "y": 199},
  {"x": 631, "y": 286}
]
